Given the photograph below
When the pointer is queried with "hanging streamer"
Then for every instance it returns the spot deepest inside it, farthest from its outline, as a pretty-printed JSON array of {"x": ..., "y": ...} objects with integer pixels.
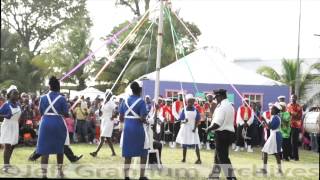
[
  {"x": 174, "y": 33},
  {"x": 129, "y": 60},
  {"x": 89, "y": 57},
  {"x": 232, "y": 86}
]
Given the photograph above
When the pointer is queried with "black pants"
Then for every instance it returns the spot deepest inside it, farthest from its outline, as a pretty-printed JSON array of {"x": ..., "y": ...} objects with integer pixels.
[
  {"x": 202, "y": 133},
  {"x": 286, "y": 148},
  {"x": 240, "y": 140},
  {"x": 221, "y": 159},
  {"x": 66, "y": 150},
  {"x": 176, "y": 130},
  {"x": 295, "y": 142},
  {"x": 169, "y": 135},
  {"x": 82, "y": 131}
]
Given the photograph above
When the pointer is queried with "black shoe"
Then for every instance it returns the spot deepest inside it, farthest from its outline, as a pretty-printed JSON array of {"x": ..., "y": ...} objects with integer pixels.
[
  {"x": 183, "y": 160},
  {"x": 126, "y": 178},
  {"x": 31, "y": 159},
  {"x": 198, "y": 161},
  {"x": 78, "y": 158},
  {"x": 93, "y": 154},
  {"x": 262, "y": 171},
  {"x": 286, "y": 159},
  {"x": 113, "y": 154},
  {"x": 143, "y": 178},
  {"x": 296, "y": 159}
]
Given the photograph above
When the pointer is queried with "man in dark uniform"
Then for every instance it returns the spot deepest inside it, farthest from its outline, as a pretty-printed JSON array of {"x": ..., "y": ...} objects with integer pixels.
[{"x": 222, "y": 124}]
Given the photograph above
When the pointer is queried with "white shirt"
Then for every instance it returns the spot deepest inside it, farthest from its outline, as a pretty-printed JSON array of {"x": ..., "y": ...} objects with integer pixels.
[
  {"x": 224, "y": 116},
  {"x": 107, "y": 110}
]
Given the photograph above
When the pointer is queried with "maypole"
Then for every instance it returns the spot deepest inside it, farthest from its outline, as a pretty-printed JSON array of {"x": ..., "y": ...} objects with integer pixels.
[{"x": 159, "y": 46}]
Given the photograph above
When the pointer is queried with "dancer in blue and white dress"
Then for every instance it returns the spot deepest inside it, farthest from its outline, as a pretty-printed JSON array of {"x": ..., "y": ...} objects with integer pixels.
[
  {"x": 134, "y": 138},
  {"x": 52, "y": 131},
  {"x": 188, "y": 134},
  {"x": 9, "y": 136},
  {"x": 274, "y": 142}
]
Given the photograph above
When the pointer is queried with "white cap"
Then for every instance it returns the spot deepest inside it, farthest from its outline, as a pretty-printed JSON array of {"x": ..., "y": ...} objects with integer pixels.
[
  {"x": 209, "y": 95},
  {"x": 281, "y": 97},
  {"x": 270, "y": 104},
  {"x": 12, "y": 87},
  {"x": 277, "y": 105},
  {"x": 147, "y": 96},
  {"x": 282, "y": 103},
  {"x": 108, "y": 91},
  {"x": 189, "y": 96}
]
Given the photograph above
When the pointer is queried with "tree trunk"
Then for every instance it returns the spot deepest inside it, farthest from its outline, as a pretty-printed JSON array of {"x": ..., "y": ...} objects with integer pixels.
[
  {"x": 82, "y": 84},
  {"x": 147, "y": 4},
  {"x": 136, "y": 2}
]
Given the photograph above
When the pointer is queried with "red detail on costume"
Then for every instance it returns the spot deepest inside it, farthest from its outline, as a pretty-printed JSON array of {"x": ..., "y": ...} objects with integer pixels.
[
  {"x": 168, "y": 110},
  {"x": 242, "y": 110}
]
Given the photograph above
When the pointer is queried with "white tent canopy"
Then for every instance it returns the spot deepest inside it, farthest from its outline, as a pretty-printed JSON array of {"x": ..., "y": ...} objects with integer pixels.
[
  {"x": 88, "y": 92},
  {"x": 209, "y": 65}
]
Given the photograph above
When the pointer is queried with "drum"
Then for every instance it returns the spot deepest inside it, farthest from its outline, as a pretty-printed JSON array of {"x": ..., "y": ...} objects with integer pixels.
[{"x": 311, "y": 122}]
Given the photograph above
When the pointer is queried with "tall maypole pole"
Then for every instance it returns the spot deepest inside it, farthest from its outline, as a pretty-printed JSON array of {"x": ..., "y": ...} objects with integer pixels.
[{"x": 159, "y": 46}]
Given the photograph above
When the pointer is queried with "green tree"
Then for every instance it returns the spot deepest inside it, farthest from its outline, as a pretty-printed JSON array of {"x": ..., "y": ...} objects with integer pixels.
[
  {"x": 36, "y": 22},
  {"x": 288, "y": 76},
  {"x": 143, "y": 63},
  {"x": 134, "y": 5},
  {"x": 14, "y": 69},
  {"x": 72, "y": 47}
]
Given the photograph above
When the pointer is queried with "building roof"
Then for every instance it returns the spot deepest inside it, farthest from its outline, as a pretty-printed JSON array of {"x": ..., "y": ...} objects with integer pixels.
[{"x": 208, "y": 65}]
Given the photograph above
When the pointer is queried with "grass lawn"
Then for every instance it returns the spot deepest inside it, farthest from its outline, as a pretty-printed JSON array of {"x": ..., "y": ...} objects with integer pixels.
[{"x": 106, "y": 166}]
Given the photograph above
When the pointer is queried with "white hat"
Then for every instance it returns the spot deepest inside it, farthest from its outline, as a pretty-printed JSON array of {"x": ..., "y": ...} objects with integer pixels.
[
  {"x": 108, "y": 91},
  {"x": 209, "y": 95},
  {"x": 277, "y": 105},
  {"x": 12, "y": 87},
  {"x": 189, "y": 96},
  {"x": 281, "y": 97},
  {"x": 147, "y": 96},
  {"x": 283, "y": 104},
  {"x": 270, "y": 104}
]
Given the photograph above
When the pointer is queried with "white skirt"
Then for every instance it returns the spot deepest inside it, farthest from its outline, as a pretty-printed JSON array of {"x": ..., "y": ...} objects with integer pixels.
[
  {"x": 186, "y": 136},
  {"x": 9, "y": 132},
  {"x": 106, "y": 127},
  {"x": 270, "y": 146}
]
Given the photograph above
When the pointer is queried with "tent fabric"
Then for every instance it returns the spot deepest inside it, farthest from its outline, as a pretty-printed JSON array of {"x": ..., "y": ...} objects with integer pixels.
[
  {"x": 88, "y": 92},
  {"x": 208, "y": 65}
]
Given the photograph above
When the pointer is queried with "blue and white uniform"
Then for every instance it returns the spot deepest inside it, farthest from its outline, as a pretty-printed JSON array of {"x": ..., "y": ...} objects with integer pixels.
[
  {"x": 185, "y": 136},
  {"x": 134, "y": 139},
  {"x": 274, "y": 142},
  {"x": 10, "y": 125},
  {"x": 52, "y": 130}
]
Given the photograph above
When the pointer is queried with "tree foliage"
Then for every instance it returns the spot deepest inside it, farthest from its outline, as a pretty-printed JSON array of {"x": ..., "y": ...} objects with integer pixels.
[
  {"x": 72, "y": 46},
  {"x": 142, "y": 63},
  {"x": 288, "y": 75},
  {"x": 32, "y": 23}
]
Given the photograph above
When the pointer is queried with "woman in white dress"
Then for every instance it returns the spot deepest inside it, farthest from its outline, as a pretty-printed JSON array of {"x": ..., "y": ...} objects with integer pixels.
[
  {"x": 9, "y": 136},
  {"x": 107, "y": 114},
  {"x": 188, "y": 134},
  {"x": 274, "y": 142}
]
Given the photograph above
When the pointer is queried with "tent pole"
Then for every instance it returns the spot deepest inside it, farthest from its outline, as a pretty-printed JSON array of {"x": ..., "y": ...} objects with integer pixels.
[{"x": 159, "y": 45}]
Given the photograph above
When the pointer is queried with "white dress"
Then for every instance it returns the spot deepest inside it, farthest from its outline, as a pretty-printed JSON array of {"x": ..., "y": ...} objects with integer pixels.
[
  {"x": 185, "y": 135},
  {"x": 273, "y": 144},
  {"x": 106, "y": 127},
  {"x": 10, "y": 127}
]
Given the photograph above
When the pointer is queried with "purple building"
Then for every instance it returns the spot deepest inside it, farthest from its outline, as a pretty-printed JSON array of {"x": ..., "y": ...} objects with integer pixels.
[{"x": 207, "y": 69}]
